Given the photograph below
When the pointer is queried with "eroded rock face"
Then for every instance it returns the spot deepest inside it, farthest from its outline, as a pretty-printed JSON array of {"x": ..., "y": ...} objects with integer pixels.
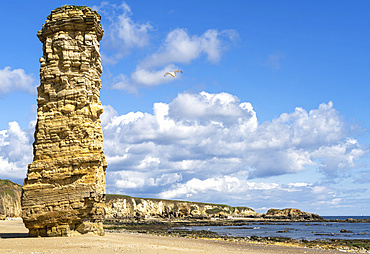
[
  {"x": 128, "y": 208},
  {"x": 10, "y": 195},
  {"x": 64, "y": 191}
]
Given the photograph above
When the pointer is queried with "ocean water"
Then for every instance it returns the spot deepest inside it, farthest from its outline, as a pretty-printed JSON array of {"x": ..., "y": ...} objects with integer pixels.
[
  {"x": 296, "y": 230},
  {"x": 345, "y": 217}
]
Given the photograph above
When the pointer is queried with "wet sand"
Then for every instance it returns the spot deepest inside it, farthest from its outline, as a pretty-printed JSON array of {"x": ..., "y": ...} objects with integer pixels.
[{"x": 14, "y": 239}]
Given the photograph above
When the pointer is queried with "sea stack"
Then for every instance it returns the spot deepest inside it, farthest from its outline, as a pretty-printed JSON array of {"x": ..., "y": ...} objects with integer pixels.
[{"x": 64, "y": 190}]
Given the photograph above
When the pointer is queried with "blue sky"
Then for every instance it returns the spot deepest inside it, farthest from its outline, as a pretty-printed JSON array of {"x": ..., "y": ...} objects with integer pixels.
[{"x": 271, "y": 110}]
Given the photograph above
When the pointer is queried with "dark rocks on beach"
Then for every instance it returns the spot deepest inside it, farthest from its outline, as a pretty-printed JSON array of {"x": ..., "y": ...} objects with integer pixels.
[
  {"x": 282, "y": 231},
  {"x": 345, "y": 231}
]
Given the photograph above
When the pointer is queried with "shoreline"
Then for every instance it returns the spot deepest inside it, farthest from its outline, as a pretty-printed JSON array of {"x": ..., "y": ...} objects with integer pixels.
[
  {"x": 163, "y": 237},
  {"x": 178, "y": 228},
  {"x": 14, "y": 239}
]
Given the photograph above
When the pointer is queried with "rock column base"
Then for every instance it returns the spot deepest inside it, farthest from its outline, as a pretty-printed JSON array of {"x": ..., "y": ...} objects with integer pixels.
[{"x": 68, "y": 230}]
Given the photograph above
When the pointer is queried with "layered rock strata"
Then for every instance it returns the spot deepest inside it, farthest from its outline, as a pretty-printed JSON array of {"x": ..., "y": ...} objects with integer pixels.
[
  {"x": 10, "y": 196},
  {"x": 64, "y": 190},
  {"x": 126, "y": 208},
  {"x": 129, "y": 208}
]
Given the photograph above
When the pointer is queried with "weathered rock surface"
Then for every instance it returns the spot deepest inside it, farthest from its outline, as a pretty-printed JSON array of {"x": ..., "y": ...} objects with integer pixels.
[
  {"x": 125, "y": 207},
  {"x": 10, "y": 196},
  {"x": 291, "y": 214},
  {"x": 64, "y": 191}
]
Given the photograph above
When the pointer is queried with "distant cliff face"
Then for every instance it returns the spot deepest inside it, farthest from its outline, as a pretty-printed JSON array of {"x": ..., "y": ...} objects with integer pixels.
[
  {"x": 125, "y": 207},
  {"x": 10, "y": 196},
  {"x": 130, "y": 208}
]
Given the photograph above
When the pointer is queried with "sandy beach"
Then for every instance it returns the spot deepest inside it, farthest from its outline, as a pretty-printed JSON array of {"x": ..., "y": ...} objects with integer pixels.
[{"x": 14, "y": 240}]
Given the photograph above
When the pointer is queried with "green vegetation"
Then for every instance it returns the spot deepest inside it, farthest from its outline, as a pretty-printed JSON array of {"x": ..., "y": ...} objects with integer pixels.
[
  {"x": 214, "y": 210},
  {"x": 360, "y": 245},
  {"x": 357, "y": 243},
  {"x": 9, "y": 192},
  {"x": 272, "y": 211},
  {"x": 243, "y": 208},
  {"x": 138, "y": 201},
  {"x": 6, "y": 182},
  {"x": 9, "y": 188}
]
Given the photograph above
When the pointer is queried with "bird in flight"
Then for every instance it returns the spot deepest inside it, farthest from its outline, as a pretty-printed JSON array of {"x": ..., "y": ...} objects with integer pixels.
[{"x": 172, "y": 73}]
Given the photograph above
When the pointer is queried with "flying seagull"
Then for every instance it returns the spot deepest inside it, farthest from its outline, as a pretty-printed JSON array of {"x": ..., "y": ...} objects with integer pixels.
[{"x": 172, "y": 73}]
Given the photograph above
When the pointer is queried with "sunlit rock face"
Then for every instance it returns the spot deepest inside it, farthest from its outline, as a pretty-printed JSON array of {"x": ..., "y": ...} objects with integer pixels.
[
  {"x": 64, "y": 190},
  {"x": 130, "y": 208},
  {"x": 10, "y": 196}
]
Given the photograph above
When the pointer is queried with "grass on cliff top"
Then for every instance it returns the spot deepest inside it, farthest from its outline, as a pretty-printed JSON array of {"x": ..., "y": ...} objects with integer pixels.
[
  {"x": 114, "y": 196},
  {"x": 8, "y": 182},
  {"x": 138, "y": 200},
  {"x": 7, "y": 187}
]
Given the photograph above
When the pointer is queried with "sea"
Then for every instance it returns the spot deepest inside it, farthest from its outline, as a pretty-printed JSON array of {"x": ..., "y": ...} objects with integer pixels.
[{"x": 296, "y": 230}]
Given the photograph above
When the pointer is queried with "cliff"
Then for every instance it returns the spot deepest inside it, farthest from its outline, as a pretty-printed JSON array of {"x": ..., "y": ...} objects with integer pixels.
[
  {"x": 121, "y": 207},
  {"x": 10, "y": 196},
  {"x": 130, "y": 208},
  {"x": 126, "y": 207}
]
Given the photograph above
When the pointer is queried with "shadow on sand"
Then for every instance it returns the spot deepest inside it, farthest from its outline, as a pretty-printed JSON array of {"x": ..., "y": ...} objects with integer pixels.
[{"x": 13, "y": 235}]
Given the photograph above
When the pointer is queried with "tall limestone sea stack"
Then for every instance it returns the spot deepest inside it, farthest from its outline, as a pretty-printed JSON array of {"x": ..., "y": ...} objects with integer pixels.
[{"x": 64, "y": 190}]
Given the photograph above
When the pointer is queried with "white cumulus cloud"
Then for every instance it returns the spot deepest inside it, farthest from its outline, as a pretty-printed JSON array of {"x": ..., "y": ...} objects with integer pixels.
[
  {"x": 15, "y": 80},
  {"x": 122, "y": 34},
  {"x": 142, "y": 77},
  {"x": 209, "y": 136},
  {"x": 15, "y": 151},
  {"x": 211, "y": 147},
  {"x": 339, "y": 158},
  {"x": 230, "y": 189},
  {"x": 181, "y": 47},
  {"x": 225, "y": 184}
]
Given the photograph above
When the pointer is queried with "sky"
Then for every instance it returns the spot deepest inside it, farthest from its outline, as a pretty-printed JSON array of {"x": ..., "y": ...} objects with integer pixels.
[{"x": 271, "y": 110}]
